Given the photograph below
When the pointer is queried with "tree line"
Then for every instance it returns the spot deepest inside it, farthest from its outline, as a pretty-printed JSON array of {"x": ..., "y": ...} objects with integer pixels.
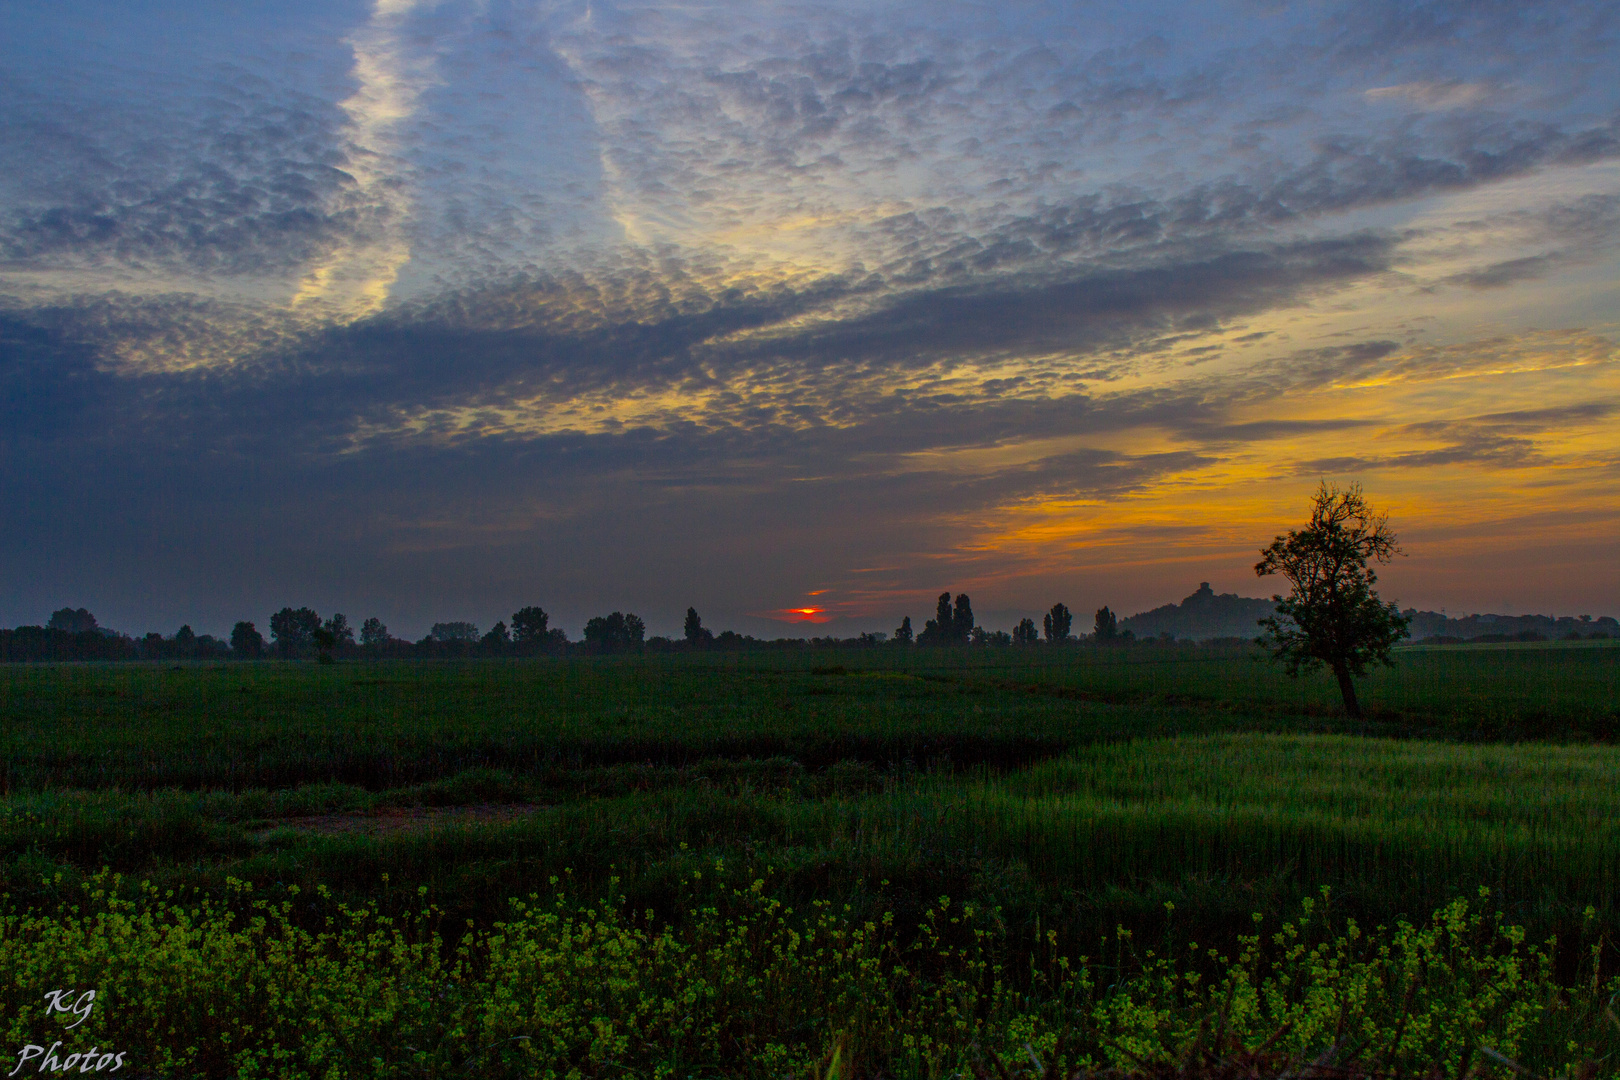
[
  {"x": 1332, "y": 617},
  {"x": 302, "y": 633}
]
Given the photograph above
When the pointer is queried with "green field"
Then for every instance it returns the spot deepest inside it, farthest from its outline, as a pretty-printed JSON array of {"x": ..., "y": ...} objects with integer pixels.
[{"x": 1177, "y": 792}]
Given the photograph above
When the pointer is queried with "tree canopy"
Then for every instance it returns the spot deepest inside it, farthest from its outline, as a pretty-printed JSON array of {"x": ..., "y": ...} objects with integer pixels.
[
  {"x": 454, "y": 631},
  {"x": 617, "y": 632},
  {"x": 294, "y": 630},
  {"x": 246, "y": 640},
  {"x": 696, "y": 635},
  {"x": 342, "y": 633},
  {"x": 1057, "y": 623},
  {"x": 952, "y": 624},
  {"x": 529, "y": 625},
  {"x": 71, "y": 620}
]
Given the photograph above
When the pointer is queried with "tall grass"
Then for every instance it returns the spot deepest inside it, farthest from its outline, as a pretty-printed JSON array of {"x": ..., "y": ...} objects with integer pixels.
[
  {"x": 1221, "y": 825},
  {"x": 1404, "y": 820}
]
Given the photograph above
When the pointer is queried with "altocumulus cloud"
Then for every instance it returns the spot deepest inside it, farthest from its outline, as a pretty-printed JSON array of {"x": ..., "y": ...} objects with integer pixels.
[{"x": 650, "y": 306}]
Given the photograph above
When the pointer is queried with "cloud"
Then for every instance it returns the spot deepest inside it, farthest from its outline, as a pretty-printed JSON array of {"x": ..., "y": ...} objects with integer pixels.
[
  {"x": 1558, "y": 416},
  {"x": 1478, "y": 448},
  {"x": 354, "y": 278},
  {"x": 1264, "y": 430},
  {"x": 1507, "y": 272},
  {"x": 248, "y": 179},
  {"x": 1432, "y": 95},
  {"x": 626, "y": 300}
]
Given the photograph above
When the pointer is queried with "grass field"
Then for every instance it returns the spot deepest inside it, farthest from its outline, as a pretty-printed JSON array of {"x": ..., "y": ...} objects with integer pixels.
[
  {"x": 1176, "y": 792},
  {"x": 235, "y": 726}
]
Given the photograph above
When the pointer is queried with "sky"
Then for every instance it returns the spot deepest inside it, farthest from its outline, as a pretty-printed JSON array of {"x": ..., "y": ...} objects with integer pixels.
[{"x": 432, "y": 310}]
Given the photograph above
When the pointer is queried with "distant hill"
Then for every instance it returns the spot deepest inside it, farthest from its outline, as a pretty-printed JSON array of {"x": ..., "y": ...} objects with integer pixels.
[
  {"x": 1201, "y": 616},
  {"x": 1206, "y": 614}
]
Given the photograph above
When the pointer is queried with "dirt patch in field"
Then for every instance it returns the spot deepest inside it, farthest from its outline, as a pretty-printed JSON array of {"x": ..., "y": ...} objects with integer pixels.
[{"x": 396, "y": 819}]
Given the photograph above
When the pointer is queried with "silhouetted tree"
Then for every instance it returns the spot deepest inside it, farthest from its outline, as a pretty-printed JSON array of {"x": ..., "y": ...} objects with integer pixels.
[
  {"x": 931, "y": 633},
  {"x": 373, "y": 634},
  {"x": 246, "y": 641},
  {"x": 615, "y": 633},
  {"x": 293, "y": 631},
  {"x": 342, "y": 633},
  {"x": 1106, "y": 626},
  {"x": 962, "y": 621},
  {"x": 529, "y": 632},
  {"x": 444, "y": 632},
  {"x": 902, "y": 633},
  {"x": 497, "y": 641},
  {"x": 185, "y": 640},
  {"x": 325, "y": 641},
  {"x": 1057, "y": 623},
  {"x": 1025, "y": 633},
  {"x": 937, "y": 631},
  {"x": 1333, "y": 616},
  {"x": 696, "y": 636},
  {"x": 635, "y": 631},
  {"x": 73, "y": 620},
  {"x": 951, "y": 624}
]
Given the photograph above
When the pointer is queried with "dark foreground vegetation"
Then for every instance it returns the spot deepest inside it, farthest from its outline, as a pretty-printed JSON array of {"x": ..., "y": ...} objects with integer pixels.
[{"x": 874, "y": 862}]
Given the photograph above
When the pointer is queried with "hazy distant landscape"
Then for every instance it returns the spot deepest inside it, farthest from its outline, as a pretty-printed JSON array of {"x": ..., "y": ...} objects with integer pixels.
[{"x": 74, "y": 634}]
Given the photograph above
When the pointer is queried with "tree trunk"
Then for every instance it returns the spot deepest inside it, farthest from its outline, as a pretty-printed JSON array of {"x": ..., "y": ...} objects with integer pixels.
[{"x": 1352, "y": 707}]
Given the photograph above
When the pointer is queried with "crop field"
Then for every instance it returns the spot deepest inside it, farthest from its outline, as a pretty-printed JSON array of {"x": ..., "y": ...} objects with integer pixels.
[{"x": 1137, "y": 804}]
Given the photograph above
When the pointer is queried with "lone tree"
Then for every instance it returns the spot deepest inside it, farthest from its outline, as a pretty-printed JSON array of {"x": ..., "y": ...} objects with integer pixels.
[
  {"x": 1333, "y": 617},
  {"x": 1025, "y": 633},
  {"x": 1106, "y": 625}
]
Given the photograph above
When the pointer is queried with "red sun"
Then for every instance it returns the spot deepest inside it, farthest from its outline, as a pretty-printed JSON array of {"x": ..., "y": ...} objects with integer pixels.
[{"x": 805, "y": 614}]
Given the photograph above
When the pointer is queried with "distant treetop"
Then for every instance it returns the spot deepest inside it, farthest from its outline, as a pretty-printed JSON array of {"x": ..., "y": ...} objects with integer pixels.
[
  {"x": 72, "y": 620},
  {"x": 617, "y": 632}
]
